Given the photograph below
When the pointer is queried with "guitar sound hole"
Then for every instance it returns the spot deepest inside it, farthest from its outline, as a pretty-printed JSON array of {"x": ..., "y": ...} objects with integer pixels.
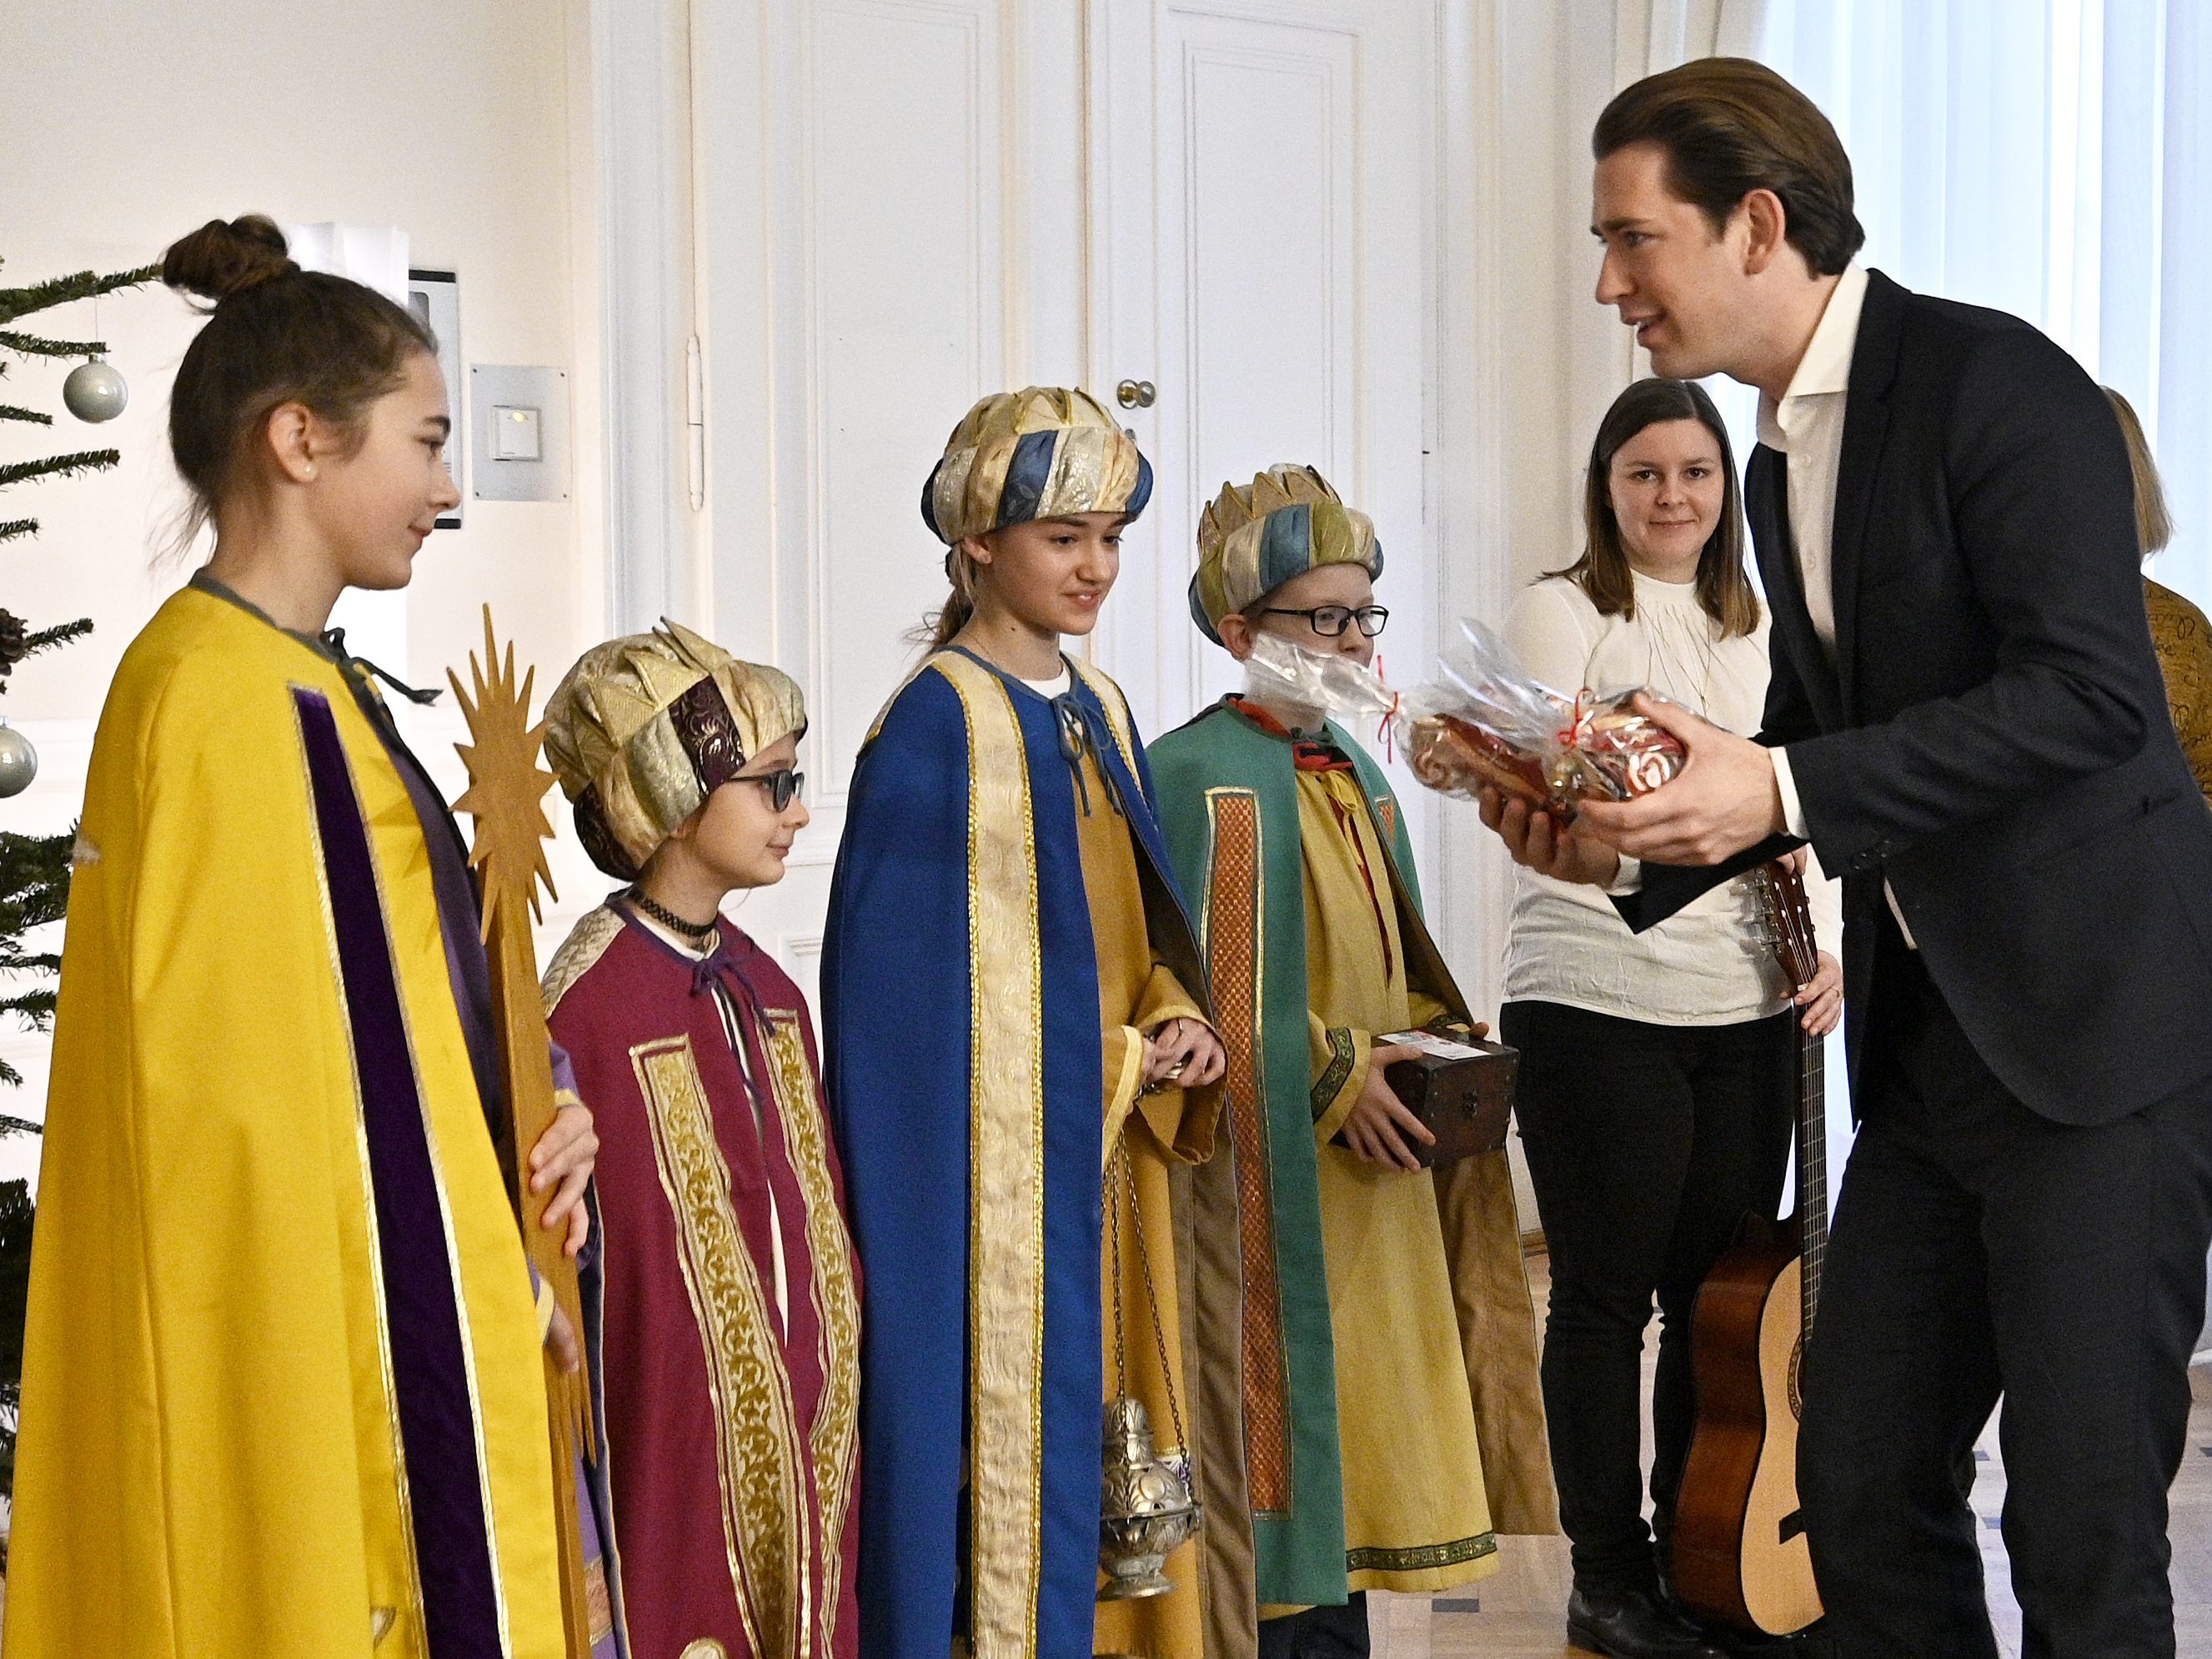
[{"x": 1796, "y": 1372}]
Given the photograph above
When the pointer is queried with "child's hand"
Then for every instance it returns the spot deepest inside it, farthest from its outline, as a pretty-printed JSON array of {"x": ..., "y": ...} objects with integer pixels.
[
  {"x": 562, "y": 1159},
  {"x": 561, "y": 1339},
  {"x": 1184, "y": 1053},
  {"x": 1378, "y": 1125}
]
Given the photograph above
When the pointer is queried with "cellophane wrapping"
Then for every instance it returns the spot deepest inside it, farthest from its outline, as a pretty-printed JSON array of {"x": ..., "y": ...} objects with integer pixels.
[{"x": 1484, "y": 721}]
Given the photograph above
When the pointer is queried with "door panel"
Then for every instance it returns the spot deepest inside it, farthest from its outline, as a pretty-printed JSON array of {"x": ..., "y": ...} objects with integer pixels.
[{"x": 1267, "y": 210}]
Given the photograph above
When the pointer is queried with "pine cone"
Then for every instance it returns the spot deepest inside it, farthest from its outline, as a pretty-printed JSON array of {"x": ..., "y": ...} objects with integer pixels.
[{"x": 12, "y": 647}]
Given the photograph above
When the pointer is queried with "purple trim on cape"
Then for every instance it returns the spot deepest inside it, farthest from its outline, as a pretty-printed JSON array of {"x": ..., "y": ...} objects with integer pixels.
[{"x": 437, "y": 1425}]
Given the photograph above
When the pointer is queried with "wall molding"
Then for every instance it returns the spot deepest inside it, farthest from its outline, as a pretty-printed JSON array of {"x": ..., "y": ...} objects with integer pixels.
[{"x": 641, "y": 145}]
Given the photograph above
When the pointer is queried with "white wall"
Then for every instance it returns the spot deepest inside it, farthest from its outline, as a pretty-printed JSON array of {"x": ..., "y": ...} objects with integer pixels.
[
  {"x": 128, "y": 123},
  {"x": 480, "y": 128}
]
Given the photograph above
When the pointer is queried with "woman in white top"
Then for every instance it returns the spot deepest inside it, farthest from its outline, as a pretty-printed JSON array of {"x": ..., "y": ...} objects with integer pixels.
[{"x": 1656, "y": 1069}]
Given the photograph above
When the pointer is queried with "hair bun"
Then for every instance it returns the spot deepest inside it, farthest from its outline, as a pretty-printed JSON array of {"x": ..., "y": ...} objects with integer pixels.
[{"x": 219, "y": 260}]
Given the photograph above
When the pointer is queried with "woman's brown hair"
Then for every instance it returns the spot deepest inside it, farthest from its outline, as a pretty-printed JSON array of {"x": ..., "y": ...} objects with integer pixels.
[
  {"x": 276, "y": 335},
  {"x": 1730, "y": 126},
  {"x": 2154, "y": 525},
  {"x": 1603, "y": 572},
  {"x": 939, "y": 626}
]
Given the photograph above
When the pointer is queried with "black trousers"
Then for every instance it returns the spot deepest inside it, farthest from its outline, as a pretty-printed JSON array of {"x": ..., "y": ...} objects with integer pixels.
[
  {"x": 1647, "y": 1145},
  {"x": 1337, "y": 1632},
  {"x": 1980, "y": 1250}
]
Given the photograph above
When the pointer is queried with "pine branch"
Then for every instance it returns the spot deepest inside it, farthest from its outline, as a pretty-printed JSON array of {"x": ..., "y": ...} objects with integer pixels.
[
  {"x": 37, "y": 417},
  {"x": 60, "y": 634},
  {"x": 34, "y": 1008},
  {"x": 9, "y": 1076},
  {"x": 19, "y": 1126},
  {"x": 37, "y": 345},
  {"x": 12, "y": 528},
  {"x": 34, "y": 873},
  {"x": 59, "y": 466},
  {"x": 60, "y": 290}
]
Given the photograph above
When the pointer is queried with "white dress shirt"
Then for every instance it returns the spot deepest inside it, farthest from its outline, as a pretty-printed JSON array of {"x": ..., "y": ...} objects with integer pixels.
[{"x": 1806, "y": 426}]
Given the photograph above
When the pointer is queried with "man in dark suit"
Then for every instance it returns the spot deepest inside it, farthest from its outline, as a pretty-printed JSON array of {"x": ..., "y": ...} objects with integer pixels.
[{"x": 1967, "y": 719}]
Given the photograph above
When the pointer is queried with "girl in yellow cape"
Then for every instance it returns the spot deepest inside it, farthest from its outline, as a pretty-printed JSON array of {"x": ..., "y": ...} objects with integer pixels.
[{"x": 281, "y": 1390}]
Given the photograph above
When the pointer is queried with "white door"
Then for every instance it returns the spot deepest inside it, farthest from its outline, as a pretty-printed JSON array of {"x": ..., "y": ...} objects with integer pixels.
[
  {"x": 903, "y": 204},
  {"x": 883, "y": 225},
  {"x": 1260, "y": 193}
]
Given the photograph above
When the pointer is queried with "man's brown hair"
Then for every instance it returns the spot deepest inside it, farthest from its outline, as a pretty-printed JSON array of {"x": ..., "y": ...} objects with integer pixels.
[{"x": 1730, "y": 126}]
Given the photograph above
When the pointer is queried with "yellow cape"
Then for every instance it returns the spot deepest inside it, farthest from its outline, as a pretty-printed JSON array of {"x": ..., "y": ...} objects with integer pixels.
[{"x": 209, "y": 1461}]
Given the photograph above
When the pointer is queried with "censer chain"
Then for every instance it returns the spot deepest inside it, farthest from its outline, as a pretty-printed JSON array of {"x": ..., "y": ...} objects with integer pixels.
[{"x": 1128, "y": 1184}]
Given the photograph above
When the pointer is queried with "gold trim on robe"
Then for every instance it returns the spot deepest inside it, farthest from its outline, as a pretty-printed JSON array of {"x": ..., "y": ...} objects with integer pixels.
[
  {"x": 754, "y": 1421},
  {"x": 836, "y": 1434},
  {"x": 1005, "y": 1337}
]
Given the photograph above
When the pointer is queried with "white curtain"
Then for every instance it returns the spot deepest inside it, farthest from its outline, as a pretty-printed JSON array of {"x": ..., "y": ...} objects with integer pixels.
[
  {"x": 1650, "y": 35},
  {"x": 2052, "y": 158}
]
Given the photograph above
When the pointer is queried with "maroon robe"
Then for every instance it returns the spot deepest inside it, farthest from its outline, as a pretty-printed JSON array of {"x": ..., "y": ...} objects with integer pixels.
[{"x": 731, "y": 1429}]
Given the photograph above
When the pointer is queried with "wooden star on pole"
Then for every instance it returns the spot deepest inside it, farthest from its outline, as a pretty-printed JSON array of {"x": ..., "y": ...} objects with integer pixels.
[
  {"x": 505, "y": 796},
  {"x": 506, "y": 785}
]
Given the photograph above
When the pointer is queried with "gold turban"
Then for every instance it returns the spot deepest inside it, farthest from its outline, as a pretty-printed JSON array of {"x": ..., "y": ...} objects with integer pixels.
[
  {"x": 644, "y": 728},
  {"x": 1041, "y": 452},
  {"x": 1251, "y": 541}
]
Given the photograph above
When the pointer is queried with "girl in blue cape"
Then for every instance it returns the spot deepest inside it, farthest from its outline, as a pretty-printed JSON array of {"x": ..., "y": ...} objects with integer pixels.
[{"x": 1024, "y": 1081}]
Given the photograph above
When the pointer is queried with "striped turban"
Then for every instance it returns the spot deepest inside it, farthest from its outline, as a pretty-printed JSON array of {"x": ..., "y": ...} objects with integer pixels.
[
  {"x": 1253, "y": 539},
  {"x": 1041, "y": 452}
]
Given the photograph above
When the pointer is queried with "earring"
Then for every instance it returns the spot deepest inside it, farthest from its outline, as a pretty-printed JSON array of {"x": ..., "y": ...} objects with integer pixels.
[{"x": 311, "y": 468}]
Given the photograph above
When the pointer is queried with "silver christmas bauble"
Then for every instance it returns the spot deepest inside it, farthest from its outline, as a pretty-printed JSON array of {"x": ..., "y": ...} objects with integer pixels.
[
  {"x": 18, "y": 762},
  {"x": 96, "y": 390}
]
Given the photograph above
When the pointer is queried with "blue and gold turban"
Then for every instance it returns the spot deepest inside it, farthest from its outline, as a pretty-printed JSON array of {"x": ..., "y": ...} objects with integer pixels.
[
  {"x": 1041, "y": 452},
  {"x": 1252, "y": 540}
]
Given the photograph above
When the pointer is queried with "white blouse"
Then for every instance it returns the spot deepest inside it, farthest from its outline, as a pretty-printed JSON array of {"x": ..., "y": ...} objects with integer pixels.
[{"x": 1707, "y": 965}]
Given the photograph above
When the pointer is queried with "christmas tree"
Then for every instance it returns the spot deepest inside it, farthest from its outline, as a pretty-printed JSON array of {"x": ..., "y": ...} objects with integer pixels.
[{"x": 34, "y": 870}]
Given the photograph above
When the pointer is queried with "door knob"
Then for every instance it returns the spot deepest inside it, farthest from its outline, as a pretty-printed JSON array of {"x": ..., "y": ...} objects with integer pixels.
[{"x": 1136, "y": 394}]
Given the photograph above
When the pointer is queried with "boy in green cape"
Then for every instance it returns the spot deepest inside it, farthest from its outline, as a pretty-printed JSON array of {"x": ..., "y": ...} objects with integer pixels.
[{"x": 1393, "y": 1423}]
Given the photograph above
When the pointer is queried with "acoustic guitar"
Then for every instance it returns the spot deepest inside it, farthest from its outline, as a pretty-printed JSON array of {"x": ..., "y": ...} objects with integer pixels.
[{"x": 1739, "y": 1557}]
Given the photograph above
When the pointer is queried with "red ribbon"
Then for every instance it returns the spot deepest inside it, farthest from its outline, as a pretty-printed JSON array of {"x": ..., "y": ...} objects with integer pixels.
[
  {"x": 1386, "y": 729},
  {"x": 1571, "y": 736}
]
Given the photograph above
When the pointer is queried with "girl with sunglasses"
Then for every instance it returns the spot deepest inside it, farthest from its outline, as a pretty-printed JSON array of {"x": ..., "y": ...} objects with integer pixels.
[{"x": 727, "y": 1290}]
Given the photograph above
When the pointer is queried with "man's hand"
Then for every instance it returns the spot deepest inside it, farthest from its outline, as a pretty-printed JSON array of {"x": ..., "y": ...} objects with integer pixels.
[
  {"x": 1183, "y": 1053},
  {"x": 562, "y": 1160},
  {"x": 1535, "y": 839},
  {"x": 1724, "y": 799},
  {"x": 1378, "y": 1124}
]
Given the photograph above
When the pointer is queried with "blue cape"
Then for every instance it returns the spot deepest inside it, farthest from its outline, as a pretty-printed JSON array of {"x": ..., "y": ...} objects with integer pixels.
[{"x": 910, "y": 929}]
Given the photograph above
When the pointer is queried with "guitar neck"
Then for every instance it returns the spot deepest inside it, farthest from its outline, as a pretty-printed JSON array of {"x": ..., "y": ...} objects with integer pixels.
[{"x": 1812, "y": 1163}]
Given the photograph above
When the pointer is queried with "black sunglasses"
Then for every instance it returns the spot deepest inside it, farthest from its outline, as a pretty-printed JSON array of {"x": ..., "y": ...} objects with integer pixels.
[
  {"x": 1329, "y": 621},
  {"x": 782, "y": 786}
]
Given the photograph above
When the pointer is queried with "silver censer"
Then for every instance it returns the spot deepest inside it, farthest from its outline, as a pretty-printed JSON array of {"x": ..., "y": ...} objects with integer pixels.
[{"x": 1147, "y": 1511}]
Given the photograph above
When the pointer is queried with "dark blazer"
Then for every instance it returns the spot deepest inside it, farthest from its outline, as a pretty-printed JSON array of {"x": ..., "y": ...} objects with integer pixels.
[{"x": 1992, "y": 734}]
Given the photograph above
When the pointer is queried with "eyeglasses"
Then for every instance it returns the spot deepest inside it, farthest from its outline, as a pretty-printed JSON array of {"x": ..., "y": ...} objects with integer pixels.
[
  {"x": 1329, "y": 621},
  {"x": 782, "y": 786}
]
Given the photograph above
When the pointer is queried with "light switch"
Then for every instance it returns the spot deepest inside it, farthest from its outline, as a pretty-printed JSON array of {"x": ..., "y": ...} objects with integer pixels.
[
  {"x": 515, "y": 433},
  {"x": 519, "y": 417}
]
